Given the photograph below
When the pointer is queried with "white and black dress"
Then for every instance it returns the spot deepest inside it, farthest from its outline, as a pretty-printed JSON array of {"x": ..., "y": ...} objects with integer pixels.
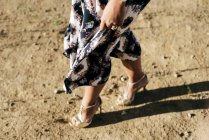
[{"x": 89, "y": 49}]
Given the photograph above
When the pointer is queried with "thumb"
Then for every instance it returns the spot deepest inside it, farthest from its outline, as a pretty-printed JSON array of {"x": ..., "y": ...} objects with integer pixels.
[{"x": 102, "y": 25}]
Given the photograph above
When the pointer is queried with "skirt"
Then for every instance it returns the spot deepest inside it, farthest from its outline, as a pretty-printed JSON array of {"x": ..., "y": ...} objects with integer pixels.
[{"x": 89, "y": 49}]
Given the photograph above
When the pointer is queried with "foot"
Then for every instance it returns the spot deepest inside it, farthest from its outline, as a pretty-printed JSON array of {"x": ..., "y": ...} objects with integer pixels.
[
  {"x": 86, "y": 114},
  {"x": 132, "y": 88}
]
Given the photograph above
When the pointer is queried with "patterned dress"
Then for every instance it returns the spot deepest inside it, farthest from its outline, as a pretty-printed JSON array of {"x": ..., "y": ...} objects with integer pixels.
[{"x": 89, "y": 49}]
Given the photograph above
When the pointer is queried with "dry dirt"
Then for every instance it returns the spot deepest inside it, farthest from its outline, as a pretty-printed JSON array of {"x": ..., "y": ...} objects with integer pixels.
[{"x": 174, "y": 36}]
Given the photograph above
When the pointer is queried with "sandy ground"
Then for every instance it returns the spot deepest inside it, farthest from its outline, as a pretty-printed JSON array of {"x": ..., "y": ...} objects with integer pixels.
[{"x": 174, "y": 36}]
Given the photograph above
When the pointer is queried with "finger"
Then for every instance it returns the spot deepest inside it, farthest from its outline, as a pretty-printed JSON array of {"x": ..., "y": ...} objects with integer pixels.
[
  {"x": 109, "y": 25},
  {"x": 102, "y": 25}
]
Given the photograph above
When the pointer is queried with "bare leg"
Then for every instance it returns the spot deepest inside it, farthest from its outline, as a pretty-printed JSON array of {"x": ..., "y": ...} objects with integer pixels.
[
  {"x": 91, "y": 95},
  {"x": 134, "y": 72}
]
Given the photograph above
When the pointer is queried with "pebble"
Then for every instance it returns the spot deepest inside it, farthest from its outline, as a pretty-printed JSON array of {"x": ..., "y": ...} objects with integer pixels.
[
  {"x": 70, "y": 102},
  {"x": 187, "y": 134},
  {"x": 58, "y": 91},
  {"x": 55, "y": 49},
  {"x": 12, "y": 104},
  {"x": 110, "y": 90},
  {"x": 2, "y": 32},
  {"x": 113, "y": 77},
  {"x": 48, "y": 10},
  {"x": 123, "y": 78},
  {"x": 49, "y": 60},
  {"x": 181, "y": 134},
  {"x": 192, "y": 56},
  {"x": 177, "y": 75},
  {"x": 31, "y": 56},
  {"x": 191, "y": 115},
  {"x": 165, "y": 57},
  {"x": 114, "y": 85},
  {"x": 154, "y": 65}
]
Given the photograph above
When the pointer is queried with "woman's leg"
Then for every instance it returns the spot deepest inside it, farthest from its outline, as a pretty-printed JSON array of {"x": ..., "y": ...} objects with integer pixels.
[
  {"x": 90, "y": 97},
  {"x": 134, "y": 72}
]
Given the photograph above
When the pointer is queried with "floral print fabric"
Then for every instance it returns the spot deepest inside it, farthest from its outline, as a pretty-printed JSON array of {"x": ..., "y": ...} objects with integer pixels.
[{"x": 89, "y": 49}]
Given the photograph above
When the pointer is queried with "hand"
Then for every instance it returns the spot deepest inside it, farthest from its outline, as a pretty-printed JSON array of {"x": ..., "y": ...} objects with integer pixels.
[{"x": 113, "y": 14}]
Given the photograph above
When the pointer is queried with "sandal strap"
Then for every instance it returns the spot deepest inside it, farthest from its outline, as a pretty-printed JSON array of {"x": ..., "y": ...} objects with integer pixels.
[
  {"x": 97, "y": 102},
  {"x": 134, "y": 83}
]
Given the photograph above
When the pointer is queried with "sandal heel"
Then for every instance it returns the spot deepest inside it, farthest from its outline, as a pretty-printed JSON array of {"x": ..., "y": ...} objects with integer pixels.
[
  {"x": 100, "y": 109},
  {"x": 144, "y": 88}
]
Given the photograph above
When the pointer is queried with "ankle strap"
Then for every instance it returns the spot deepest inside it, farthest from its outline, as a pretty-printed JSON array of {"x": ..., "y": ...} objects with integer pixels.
[
  {"x": 98, "y": 101},
  {"x": 130, "y": 83}
]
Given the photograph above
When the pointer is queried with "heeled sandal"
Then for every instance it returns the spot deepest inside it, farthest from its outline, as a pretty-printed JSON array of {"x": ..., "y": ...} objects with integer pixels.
[
  {"x": 123, "y": 100},
  {"x": 78, "y": 120}
]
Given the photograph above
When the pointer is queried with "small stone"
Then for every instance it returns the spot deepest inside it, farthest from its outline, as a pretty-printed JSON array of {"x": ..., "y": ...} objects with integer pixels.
[
  {"x": 113, "y": 77},
  {"x": 192, "y": 56},
  {"x": 35, "y": 44},
  {"x": 58, "y": 91},
  {"x": 187, "y": 134},
  {"x": 201, "y": 97},
  {"x": 46, "y": 130},
  {"x": 191, "y": 115},
  {"x": 48, "y": 10},
  {"x": 49, "y": 60},
  {"x": 123, "y": 113},
  {"x": 55, "y": 49},
  {"x": 31, "y": 56},
  {"x": 62, "y": 31},
  {"x": 70, "y": 102},
  {"x": 181, "y": 134},
  {"x": 154, "y": 65},
  {"x": 110, "y": 90},
  {"x": 113, "y": 86},
  {"x": 123, "y": 78},
  {"x": 2, "y": 32},
  {"x": 177, "y": 75},
  {"x": 165, "y": 57},
  {"x": 12, "y": 104}
]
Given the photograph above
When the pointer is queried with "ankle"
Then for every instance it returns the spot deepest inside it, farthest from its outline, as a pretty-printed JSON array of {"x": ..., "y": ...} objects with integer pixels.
[
  {"x": 86, "y": 104},
  {"x": 89, "y": 103},
  {"x": 136, "y": 77}
]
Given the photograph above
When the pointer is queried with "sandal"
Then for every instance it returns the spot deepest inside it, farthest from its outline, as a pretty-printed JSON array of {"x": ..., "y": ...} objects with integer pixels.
[
  {"x": 123, "y": 100},
  {"x": 79, "y": 121}
]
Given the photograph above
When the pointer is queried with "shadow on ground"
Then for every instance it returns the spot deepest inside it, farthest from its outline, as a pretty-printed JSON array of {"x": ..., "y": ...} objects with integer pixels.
[{"x": 155, "y": 106}]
